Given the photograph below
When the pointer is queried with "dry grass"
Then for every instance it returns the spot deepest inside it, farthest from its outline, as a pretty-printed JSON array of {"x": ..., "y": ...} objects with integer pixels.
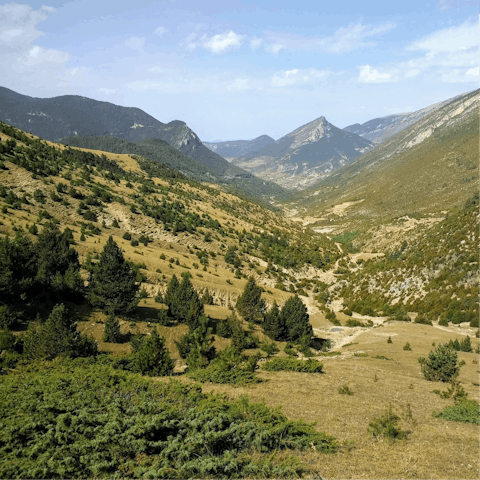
[{"x": 435, "y": 448}]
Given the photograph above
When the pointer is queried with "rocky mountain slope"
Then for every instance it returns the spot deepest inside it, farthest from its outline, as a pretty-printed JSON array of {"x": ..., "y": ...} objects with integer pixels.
[
  {"x": 305, "y": 155},
  {"x": 59, "y": 117},
  {"x": 428, "y": 167},
  {"x": 238, "y": 148},
  {"x": 379, "y": 130}
]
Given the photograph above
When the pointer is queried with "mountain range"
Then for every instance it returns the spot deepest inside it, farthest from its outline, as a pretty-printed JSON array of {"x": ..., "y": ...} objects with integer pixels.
[{"x": 71, "y": 115}]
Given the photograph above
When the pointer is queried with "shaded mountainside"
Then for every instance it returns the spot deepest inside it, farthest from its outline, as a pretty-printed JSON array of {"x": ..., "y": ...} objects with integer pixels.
[
  {"x": 379, "y": 130},
  {"x": 430, "y": 166},
  {"x": 239, "y": 148},
  {"x": 60, "y": 117},
  {"x": 303, "y": 156}
]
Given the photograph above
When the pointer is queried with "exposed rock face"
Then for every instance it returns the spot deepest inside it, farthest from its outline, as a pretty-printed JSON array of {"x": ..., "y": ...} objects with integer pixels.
[
  {"x": 305, "y": 155},
  {"x": 380, "y": 129}
]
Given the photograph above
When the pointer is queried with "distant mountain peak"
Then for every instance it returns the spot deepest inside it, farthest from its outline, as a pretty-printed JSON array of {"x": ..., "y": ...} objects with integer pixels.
[{"x": 309, "y": 133}]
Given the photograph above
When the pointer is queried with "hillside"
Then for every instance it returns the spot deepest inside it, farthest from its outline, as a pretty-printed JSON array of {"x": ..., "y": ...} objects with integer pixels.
[
  {"x": 379, "y": 130},
  {"x": 161, "y": 151},
  {"x": 59, "y": 117},
  {"x": 305, "y": 155},
  {"x": 346, "y": 373},
  {"x": 428, "y": 168}
]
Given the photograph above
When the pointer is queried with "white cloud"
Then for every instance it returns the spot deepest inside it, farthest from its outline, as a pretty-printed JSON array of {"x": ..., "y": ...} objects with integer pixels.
[
  {"x": 370, "y": 75},
  {"x": 135, "y": 42},
  {"x": 453, "y": 39},
  {"x": 450, "y": 54},
  {"x": 217, "y": 44},
  {"x": 345, "y": 39},
  {"x": 18, "y": 26},
  {"x": 299, "y": 77},
  {"x": 160, "y": 31}
]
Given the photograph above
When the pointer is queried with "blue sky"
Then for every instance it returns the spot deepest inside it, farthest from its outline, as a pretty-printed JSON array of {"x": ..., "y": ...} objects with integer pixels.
[{"x": 240, "y": 69}]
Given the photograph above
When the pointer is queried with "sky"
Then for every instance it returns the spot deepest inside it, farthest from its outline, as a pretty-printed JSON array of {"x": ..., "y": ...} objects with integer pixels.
[{"x": 239, "y": 69}]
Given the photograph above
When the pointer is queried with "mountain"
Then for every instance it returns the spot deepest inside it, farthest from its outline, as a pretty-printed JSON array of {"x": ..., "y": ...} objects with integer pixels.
[
  {"x": 238, "y": 148},
  {"x": 60, "y": 117},
  {"x": 429, "y": 167},
  {"x": 305, "y": 155},
  {"x": 380, "y": 129}
]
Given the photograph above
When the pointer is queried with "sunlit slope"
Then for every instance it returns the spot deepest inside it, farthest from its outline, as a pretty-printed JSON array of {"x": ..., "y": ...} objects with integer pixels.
[
  {"x": 429, "y": 167},
  {"x": 163, "y": 221}
]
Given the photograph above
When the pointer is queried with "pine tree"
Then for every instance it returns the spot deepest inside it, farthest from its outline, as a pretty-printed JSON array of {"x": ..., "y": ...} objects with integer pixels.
[
  {"x": 58, "y": 336},
  {"x": 152, "y": 358},
  {"x": 202, "y": 350},
  {"x": 172, "y": 287},
  {"x": 273, "y": 325},
  {"x": 112, "y": 283},
  {"x": 186, "y": 303},
  {"x": 55, "y": 256},
  {"x": 250, "y": 304},
  {"x": 18, "y": 268},
  {"x": 112, "y": 330},
  {"x": 194, "y": 313},
  {"x": 295, "y": 317}
]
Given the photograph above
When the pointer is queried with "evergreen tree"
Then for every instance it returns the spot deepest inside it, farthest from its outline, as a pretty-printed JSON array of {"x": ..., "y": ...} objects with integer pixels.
[
  {"x": 112, "y": 283},
  {"x": 273, "y": 325},
  {"x": 295, "y": 317},
  {"x": 55, "y": 257},
  {"x": 186, "y": 303},
  {"x": 112, "y": 330},
  {"x": 250, "y": 304},
  {"x": 194, "y": 312},
  {"x": 152, "y": 358},
  {"x": 172, "y": 287},
  {"x": 18, "y": 268},
  {"x": 58, "y": 336},
  {"x": 238, "y": 333},
  {"x": 202, "y": 350}
]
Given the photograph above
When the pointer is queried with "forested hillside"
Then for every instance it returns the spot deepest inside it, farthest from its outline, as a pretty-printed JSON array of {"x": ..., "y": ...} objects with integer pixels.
[{"x": 117, "y": 267}]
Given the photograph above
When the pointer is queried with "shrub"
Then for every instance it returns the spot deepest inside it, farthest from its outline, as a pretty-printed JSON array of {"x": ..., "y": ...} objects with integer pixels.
[
  {"x": 112, "y": 330},
  {"x": 152, "y": 357},
  {"x": 127, "y": 236},
  {"x": 289, "y": 350},
  {"x": 441, "y": 364},
  {"x": 389, "y": 340},
  {"x": 224, "y": 328},
  {"x": 422, "y": 320},
  {"x": 464, "y": 410},
  {"x": 352, "y": 322},
  {"x": 330, "y": 316},
  {"x": 344, "y": 390},
  {"x": 386, "y": 426},
  {"x": 407, "y": 346},
  {"x": 229, "y": 367},
  {"x": 269, "y": 348},
  {"x": 293, "y": 365},
  {"x": 181, "y": 431}
]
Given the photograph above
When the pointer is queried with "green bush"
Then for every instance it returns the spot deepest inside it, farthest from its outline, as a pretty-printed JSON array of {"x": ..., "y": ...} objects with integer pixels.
[
  {"x": 112, "y": 330},
  {"x": 386, "y": 426},
  {"x": 407, "y": 346},
  {"x": 466, "y": 411},
  {"x": 422, "y": 320},
  {"x": 269, "y": 348},
  {"x": 441, "y": 364},
  {"x": 230, "y": 367},
  {"x": 344, "y": 390},
  {"x": 127, "y": 236},
  {"x": 293, "y": 365},
  {"x": 97, "y": 422}
]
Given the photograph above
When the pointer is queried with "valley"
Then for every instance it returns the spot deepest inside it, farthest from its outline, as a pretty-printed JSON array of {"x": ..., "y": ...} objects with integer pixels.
[{"x": 372, "y": 265}]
